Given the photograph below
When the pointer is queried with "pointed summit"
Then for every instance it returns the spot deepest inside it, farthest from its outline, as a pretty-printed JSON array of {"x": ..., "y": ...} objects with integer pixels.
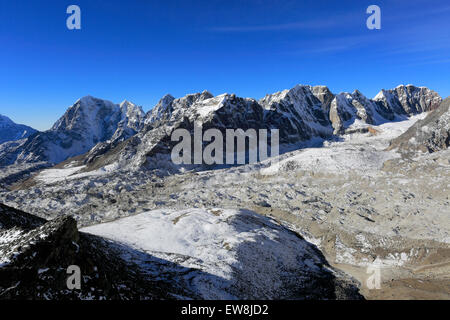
[
  {"x": 126, "y": 102},
  {"x": 86, "y": 123},
  {"x": 167, "y": 99}
]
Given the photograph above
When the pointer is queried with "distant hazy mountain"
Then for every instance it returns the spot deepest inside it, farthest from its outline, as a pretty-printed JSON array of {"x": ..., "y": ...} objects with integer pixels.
[{"x": 10, "y": 131}]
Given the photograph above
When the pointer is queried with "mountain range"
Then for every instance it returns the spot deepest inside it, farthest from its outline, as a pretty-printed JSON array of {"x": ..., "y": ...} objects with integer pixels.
[
  {"x": 106, "y": 133},
  {"x": 360, "y": 183}
]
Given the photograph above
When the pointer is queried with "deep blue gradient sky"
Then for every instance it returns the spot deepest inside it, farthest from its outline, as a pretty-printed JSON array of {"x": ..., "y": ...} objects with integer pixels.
[{"x": 142, "y": 49}]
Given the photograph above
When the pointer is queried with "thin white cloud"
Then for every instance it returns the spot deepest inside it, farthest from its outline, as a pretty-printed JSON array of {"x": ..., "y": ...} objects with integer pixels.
[
  {"x": 322, "y": 23},
  {"x": 328, "y": 22}
]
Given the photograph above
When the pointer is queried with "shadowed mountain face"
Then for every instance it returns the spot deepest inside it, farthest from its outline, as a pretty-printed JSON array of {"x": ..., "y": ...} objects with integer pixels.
[
  {"x": 428, "y": 135},
  {"x": 10, "y": 131}
]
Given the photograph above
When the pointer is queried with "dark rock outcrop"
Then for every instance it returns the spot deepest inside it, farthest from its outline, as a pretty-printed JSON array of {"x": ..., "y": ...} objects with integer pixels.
[{"x": 35, "y": 255}]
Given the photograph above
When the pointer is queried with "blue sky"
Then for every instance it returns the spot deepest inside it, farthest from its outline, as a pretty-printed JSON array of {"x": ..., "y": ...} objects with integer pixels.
[{"x": 140, "y": 50}]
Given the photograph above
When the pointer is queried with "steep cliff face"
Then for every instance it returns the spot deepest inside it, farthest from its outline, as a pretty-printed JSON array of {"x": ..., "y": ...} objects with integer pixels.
[
  {"x": 298, "y": 113},
  {"x": 408, "y": 99},
  {"x": 324, "y": 95},
  {"x": 131, "y": 122},
  {"x": 428, "y": 135},
  {"x": 389, "y": 105}
]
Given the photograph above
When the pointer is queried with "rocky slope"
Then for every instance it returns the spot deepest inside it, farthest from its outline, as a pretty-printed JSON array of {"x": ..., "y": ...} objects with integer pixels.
[
  {"x": 85, "y": 124},
  {"x": 355, "y": 200},
  {"x": 35, "y": 255},
  {"x": 10, "y": 131},
  {"x": 388, "y": 105},
  {"x": 216, "y": 257},
  {"x": 428, "y": 135},
  {"x": 407, "y": 100}
]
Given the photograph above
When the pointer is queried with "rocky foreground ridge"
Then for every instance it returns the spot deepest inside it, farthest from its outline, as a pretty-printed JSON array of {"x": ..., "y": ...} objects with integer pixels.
[{"x": 35, "y": 255}]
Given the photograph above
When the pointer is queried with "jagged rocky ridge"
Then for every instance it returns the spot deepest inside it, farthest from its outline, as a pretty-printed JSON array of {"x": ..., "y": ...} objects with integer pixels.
[
  {"x": 10, "y": 131},
  {"x": 303, "y": 114},
  {"x": 88, "y": 123},
  {"x": 428, "y": 135},
  {"x": 122, "y": 135},
  {"x": 35, "y": 255}
]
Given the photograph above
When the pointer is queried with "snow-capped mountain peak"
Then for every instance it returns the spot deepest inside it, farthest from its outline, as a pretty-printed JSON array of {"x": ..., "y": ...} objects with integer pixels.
[
  {"x": 302, "y": 114},
  {"x": 87, "y": 122},
  {"x": 162, "y": 107},
  {"x": 409, "y": 99},
  {"x": 87, "y": 113}
]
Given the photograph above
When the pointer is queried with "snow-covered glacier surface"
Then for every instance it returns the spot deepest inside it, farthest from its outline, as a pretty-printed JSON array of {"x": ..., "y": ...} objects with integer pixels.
[{"x": 239, "y": 253}]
